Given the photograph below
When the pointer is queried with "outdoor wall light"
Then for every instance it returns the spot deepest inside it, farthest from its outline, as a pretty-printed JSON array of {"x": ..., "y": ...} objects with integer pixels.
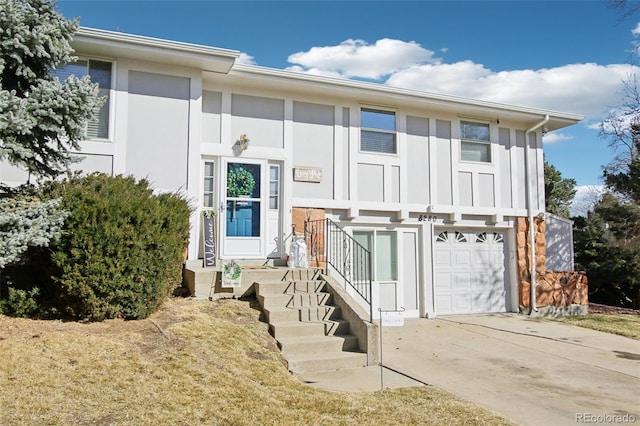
[{"x": 243, "y": 141}]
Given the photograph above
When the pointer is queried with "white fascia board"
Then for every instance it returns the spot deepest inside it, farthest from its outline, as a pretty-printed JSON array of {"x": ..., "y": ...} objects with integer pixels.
[
  {"x": 105, "y": 43},
  {"x": 394, "y": 96}
]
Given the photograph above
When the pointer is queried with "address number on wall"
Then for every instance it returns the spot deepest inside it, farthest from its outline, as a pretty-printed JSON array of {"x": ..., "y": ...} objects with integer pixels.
[{"x": 427, "y": 218}]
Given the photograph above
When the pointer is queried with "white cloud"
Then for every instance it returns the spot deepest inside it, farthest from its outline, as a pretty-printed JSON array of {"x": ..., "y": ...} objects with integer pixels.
[
  {"x": 555, "y": 137},
  {"x": 579, "y": 88},
  {"x": 636, "y": 30},
  {"x": 586, "y": 89},
  {"x": 586, "y": 197},
  {"x": 316, "y": 71},
  {"x": 245, "y": 59},
  {"x": 357, "y": 58}
]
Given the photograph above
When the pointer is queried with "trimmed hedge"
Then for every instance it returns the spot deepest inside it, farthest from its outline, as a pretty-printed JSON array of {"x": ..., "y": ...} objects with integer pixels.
[{"x": 122, "y": 248}]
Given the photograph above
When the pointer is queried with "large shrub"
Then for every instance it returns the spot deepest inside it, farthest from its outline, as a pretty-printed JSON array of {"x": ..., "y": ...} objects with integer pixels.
[{"x": 122, "y": 247}]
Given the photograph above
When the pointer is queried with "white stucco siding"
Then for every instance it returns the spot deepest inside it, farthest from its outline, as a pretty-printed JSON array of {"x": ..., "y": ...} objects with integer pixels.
[
  {"x": 158, "y": 129},
  {"x": 211, "y": 113},
  {"x": 371, "y": 182},
  {"x": 443, "y": 173},
  {"x": 12, "y": 175},
  {"x": 504, "y": 151},
  {"x": 260, "y": 118},
  {"x": 417, "y": 152},
  {"x": 313, "y": 136},
  {"x": 89, "y": 163},
  {"x": 519, "y": 178},
  {"x": 345, "y": 154},
  {"x": 486, "y": 190},
  {"x": 465, "y": 188}
]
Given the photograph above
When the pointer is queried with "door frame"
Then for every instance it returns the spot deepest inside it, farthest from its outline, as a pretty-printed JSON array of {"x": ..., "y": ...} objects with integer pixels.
[
  {"x": 243, "y": 247},
  {"x": 400, "y": 283}
]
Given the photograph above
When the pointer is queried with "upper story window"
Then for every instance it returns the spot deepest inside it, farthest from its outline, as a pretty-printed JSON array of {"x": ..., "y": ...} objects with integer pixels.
[
  {"x": 475, "y": 143},
  {"x": 100, "y": 72},
  {"x": 378, "y": 131}
]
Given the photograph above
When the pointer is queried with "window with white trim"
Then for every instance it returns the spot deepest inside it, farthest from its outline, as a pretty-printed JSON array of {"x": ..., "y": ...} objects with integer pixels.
[
  {"x": 378, "y": 131},
  {"x": 274, "y": 186},
  {"x": 475, "y": 142},
  {"x": 383, "y": 246},
  {"x": 208, "y": 192},
  {"x": 100, "y": 72}
]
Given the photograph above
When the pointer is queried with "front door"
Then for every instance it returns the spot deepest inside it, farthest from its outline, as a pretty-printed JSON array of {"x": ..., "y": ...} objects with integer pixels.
[
  {"x": 395, "y": 269},
  {"x": 244, "y": 204}
]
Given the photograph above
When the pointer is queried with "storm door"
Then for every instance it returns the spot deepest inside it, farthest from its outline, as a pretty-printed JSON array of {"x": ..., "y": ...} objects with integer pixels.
[{"x": 244, "y": 205}]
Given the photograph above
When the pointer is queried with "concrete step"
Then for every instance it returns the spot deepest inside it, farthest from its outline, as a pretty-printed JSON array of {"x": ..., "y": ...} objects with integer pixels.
[
  {"x": 279, "y": 287},
  {"x": 319, "y": 313},
  {"x": 295, "y": 328},
  {"x": 294, "y": 346},
  {"x": 304, "y": 313},
  {"x": 279, "y": 314},
  {"x": 295, "y": 300},
  {"x": 309, "y": 363},
  {"x": 287, "y": 329}
]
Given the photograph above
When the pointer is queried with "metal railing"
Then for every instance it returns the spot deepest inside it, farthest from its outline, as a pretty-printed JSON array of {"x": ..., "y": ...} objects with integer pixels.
[{"x": 330, "y": 245}]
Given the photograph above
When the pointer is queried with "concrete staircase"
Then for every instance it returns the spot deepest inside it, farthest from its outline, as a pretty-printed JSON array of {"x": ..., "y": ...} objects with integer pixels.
[{"x": 309, "y": 329}]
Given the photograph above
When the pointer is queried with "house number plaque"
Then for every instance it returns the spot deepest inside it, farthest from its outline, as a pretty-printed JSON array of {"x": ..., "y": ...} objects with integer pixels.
[{"x": 307, "y": 174}]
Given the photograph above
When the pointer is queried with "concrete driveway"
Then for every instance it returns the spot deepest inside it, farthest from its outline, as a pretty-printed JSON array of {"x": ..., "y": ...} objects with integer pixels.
[{"x": 531, "y": 370}]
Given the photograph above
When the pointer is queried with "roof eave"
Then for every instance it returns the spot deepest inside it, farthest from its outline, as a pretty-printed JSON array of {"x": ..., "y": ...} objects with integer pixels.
[
  {"x": 460, "y": 105},
  {"x": 120, "y": 45}
]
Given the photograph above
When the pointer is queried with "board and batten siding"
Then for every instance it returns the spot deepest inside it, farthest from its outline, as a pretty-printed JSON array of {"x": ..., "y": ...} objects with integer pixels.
[
  {"x": 313, "y": 146},
  {"x": 262, "y": 119},
  {"x": 158, "y": 129},
  {"x": 211, "y": 116},
  {"x": 503, "y": 150},
  {"x": 443, "y": 163},
  {"x": 417, "y": 152}
]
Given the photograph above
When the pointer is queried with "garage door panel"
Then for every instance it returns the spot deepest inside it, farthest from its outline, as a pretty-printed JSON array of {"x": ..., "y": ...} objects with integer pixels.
[
  {"x": 443, "y": 280},
  {"x": 461, "y": 280},
  {"x": 442, "y": 259},
  {"x": 482, "y": 281},
  {"x": 481, "y": 258},
  {"x": 444, "y": 303},
  {"x": 469, "y": 272},
  {"x": 462, "y": 258},
  {"x": 462, "y": 304}
]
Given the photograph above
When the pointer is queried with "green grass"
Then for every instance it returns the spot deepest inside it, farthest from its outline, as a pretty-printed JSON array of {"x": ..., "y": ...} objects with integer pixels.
[
  {"x": 624, "y": 325},
  {"x": 192, "y": 363}
]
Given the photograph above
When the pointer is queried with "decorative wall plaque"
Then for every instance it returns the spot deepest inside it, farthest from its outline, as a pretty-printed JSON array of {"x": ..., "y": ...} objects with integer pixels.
[{"x": 307, "y": 174}]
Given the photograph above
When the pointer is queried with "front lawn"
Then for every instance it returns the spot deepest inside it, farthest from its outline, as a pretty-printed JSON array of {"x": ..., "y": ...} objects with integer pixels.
[
  {"x": 622, "y": 324},
  {"x": 191, "y": 363}
]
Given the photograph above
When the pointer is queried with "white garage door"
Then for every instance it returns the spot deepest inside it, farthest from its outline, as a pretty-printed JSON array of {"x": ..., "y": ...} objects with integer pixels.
[{"x": 469, "y": 272}]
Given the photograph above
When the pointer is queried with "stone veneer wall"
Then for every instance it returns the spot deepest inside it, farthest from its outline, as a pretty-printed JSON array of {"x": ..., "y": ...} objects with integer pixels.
[
  {"x": 554, "y": 289},
  {"x": 299, "y": 215}
]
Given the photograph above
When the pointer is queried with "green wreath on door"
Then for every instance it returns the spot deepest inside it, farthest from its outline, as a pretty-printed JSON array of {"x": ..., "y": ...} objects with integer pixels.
[{"x": 240, "y": 183}]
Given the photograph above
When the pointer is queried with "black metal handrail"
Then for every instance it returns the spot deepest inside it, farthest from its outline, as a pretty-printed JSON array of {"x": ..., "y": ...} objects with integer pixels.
[{"x": 329, "y": 244}]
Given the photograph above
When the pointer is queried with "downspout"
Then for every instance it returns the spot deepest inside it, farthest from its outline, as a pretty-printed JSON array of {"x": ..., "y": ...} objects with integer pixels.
[{"x": 532, "y": 230}]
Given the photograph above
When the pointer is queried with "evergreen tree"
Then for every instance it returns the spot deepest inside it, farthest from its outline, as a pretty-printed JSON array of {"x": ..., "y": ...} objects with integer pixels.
[
  {"x": 41, "y": 118},
  {"x": 607, "y": 244},
  {"x": 558, "y": 191}
]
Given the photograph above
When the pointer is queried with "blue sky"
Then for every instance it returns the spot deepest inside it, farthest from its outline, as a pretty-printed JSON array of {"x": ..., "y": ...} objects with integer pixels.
[{"x": 568, "y": 56}]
